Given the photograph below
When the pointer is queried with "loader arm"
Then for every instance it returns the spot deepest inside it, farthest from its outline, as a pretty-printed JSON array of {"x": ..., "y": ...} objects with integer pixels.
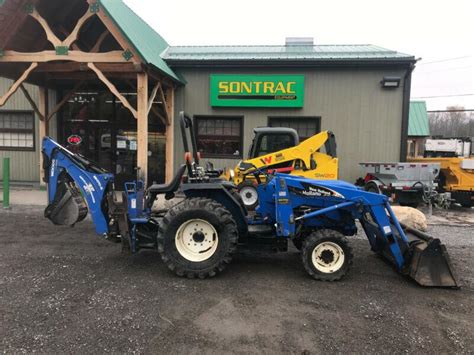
[
  {"x": 411, "y": 252},
  {"x": 306, "y": 153},
  {"x": 75, "y": 186}
]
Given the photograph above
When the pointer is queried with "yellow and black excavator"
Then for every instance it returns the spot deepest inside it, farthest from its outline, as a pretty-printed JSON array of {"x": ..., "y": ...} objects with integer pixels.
[{"x": 279, "y": 149}]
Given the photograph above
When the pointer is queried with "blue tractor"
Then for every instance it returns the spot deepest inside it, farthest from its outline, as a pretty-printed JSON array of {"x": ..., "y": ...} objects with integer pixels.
[{"x": 198, "y": 236}]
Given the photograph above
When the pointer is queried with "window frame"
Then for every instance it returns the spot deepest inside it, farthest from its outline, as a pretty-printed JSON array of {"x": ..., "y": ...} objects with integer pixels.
[
  {"x": 222, "y": 117},
  {"x": 14, "y": 130},
  {"x": 316, "y": 119}
]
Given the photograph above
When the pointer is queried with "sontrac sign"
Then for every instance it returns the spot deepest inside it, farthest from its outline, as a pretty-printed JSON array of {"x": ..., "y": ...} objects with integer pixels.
[{"x": 257, "y": 90}]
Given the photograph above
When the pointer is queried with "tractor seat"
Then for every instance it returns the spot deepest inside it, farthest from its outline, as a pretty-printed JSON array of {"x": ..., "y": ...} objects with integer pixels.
[{"x": 168, "y": 189}]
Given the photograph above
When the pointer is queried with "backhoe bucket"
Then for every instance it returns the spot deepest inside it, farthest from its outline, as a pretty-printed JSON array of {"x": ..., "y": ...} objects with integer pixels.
[
  {"x": 430, "y": 264},
  {"x": 68, "y": 206}
]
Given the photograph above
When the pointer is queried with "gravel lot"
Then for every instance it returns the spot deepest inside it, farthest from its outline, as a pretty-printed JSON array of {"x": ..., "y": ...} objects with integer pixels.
[{"x": 64, "y": 290}]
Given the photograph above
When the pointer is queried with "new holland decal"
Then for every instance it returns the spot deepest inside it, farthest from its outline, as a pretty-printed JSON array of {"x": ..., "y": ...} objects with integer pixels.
[{"x": 310, "y": 190}]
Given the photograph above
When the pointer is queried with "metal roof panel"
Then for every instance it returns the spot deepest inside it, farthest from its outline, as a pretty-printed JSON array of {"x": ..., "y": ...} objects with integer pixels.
[
  {"x": 418, "y": 125},
  {"x": 318, "y": 52},
  {"x": 148, "y": 43}
]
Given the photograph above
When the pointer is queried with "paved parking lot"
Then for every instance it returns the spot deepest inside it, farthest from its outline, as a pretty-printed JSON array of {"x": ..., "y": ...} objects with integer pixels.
[{"x": 66, "y": 290}]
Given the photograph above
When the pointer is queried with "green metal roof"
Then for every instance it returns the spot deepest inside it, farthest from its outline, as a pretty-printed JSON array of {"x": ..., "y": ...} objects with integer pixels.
[
  {"x": 147, "y": 42},
  {"x": 418, "y": 120},
  {"x": 302, "y": 53}
]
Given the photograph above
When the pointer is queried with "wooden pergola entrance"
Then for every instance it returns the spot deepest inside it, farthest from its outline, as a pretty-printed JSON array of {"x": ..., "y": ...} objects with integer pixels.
[{"x": 68, "y": 44}]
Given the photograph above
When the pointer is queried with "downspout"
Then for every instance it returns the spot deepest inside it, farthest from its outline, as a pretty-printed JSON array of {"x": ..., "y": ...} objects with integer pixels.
[{"x": 406, "y": 112}]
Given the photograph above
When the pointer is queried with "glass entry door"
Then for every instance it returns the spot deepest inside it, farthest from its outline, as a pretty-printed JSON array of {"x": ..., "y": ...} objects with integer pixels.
[{"x": 101, "y": 129}]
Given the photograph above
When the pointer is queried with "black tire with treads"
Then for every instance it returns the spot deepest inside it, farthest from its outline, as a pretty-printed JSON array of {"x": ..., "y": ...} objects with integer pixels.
[
  {"x": 210, "y": 211},
  {"x": 321, "y": 236}
]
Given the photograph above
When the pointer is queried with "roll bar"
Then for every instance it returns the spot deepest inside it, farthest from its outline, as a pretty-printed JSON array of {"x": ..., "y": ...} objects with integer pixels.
[{"x": 186, "y": 123}]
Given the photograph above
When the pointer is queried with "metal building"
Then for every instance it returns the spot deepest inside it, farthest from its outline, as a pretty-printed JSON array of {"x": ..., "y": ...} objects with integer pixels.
[{"x": 360, "y": 92}]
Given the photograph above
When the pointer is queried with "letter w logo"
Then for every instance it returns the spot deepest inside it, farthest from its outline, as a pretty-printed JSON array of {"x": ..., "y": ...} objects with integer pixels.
[{"x": 267, "y": 160}]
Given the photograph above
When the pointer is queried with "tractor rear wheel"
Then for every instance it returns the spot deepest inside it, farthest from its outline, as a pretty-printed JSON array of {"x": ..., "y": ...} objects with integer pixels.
[
  {"x": 326, "y": 255},
  {"x": 197, "y": 237}
]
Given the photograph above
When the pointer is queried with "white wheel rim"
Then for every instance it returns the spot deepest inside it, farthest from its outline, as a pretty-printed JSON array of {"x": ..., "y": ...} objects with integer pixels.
[
  {"x": 328, "y": 257},
  {"x": 196, "y": 240},
  {"x": 249, "y": 195}
]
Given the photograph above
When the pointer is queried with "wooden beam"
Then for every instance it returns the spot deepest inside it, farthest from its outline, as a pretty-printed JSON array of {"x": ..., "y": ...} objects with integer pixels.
[
  {"x": 75, "y": 32},
  {"x": 163, "y": 99},
  {"x": 99, "y": 42},
  {"x": 52, "y": 38},
  {"x": 90, "y": 75},
  {"x": 142, "y": 126},
  {"x": 74, "y": 67},
  {"x": 43, "y": 128},
  {"x": 73, "y": 56},
  {"x": 116, "y": 33},
  {"x": 169, "y": 170},
  {"x": 32, "y": 102},
  {"x": 161, "y": 78},
  {"x": 159, "y": 115},
  {"x": 65, "y": 99},
  {"x": 16, "y": 84},
  {"x": 113, "y": 89},
  {"x": 153, "y": 96}
]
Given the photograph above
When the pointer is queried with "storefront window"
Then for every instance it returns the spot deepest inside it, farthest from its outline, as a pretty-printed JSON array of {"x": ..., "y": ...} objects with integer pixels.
[
  {"x": 305, "y": 126},
  {"x": 219, "y": 136},
  {"x": 105, "y": 132},
  {"x": 17, "y": 130}
]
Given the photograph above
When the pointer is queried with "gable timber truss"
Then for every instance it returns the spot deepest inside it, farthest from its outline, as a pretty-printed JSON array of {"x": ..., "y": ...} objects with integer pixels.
[
  {"x": 69, "y": 60},
  {"x": 68, "y": 51}
]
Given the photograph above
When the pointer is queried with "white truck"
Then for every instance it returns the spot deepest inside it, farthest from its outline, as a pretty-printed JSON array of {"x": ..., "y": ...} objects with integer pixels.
[{"x": 448, "y": 147}]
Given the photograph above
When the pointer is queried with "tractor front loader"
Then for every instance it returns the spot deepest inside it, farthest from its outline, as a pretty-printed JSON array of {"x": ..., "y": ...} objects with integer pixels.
[{"x": 198, "y": 236}]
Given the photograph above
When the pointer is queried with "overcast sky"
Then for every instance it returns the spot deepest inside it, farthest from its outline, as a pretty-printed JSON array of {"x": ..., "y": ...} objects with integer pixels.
[{"x": 439, "y": 32}]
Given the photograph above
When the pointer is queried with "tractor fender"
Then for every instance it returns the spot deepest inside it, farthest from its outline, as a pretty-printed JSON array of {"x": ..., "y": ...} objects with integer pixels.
[{"x": 220, "y": 192}]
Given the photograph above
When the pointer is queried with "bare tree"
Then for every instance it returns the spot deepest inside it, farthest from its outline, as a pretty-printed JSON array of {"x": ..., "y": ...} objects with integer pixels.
[{"x": 452, "y": 124}]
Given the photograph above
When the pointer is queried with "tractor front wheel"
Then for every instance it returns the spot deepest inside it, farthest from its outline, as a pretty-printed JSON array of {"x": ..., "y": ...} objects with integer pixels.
[
  {"x": 326, "y": 255},
  {"x": 197, "y": 237}
]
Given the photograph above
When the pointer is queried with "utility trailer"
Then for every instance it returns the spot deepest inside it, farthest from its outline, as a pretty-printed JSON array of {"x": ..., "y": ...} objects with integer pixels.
[{"x": 407, "y": 183}]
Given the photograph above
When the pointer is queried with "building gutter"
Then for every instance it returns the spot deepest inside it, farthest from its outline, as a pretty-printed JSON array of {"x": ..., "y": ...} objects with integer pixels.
[{"x": 406, "y": 112}]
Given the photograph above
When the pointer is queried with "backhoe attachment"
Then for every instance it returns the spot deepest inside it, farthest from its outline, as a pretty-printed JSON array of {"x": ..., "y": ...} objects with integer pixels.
[
  {"x": 68, "y": 206},
  {"x": 76, "y": 186}
]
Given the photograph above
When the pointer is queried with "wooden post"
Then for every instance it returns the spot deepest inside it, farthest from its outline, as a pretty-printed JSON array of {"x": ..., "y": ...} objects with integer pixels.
[
  {"x": 43, "y": 129},
  {"x": 170, "y": 135},
  {"x": 142, "y": 125}
]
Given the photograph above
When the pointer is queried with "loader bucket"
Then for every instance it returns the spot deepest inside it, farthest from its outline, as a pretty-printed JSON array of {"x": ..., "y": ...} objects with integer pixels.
[
  {"x": 68, "y": 206},
  {"x": 430, "y": 264}
]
